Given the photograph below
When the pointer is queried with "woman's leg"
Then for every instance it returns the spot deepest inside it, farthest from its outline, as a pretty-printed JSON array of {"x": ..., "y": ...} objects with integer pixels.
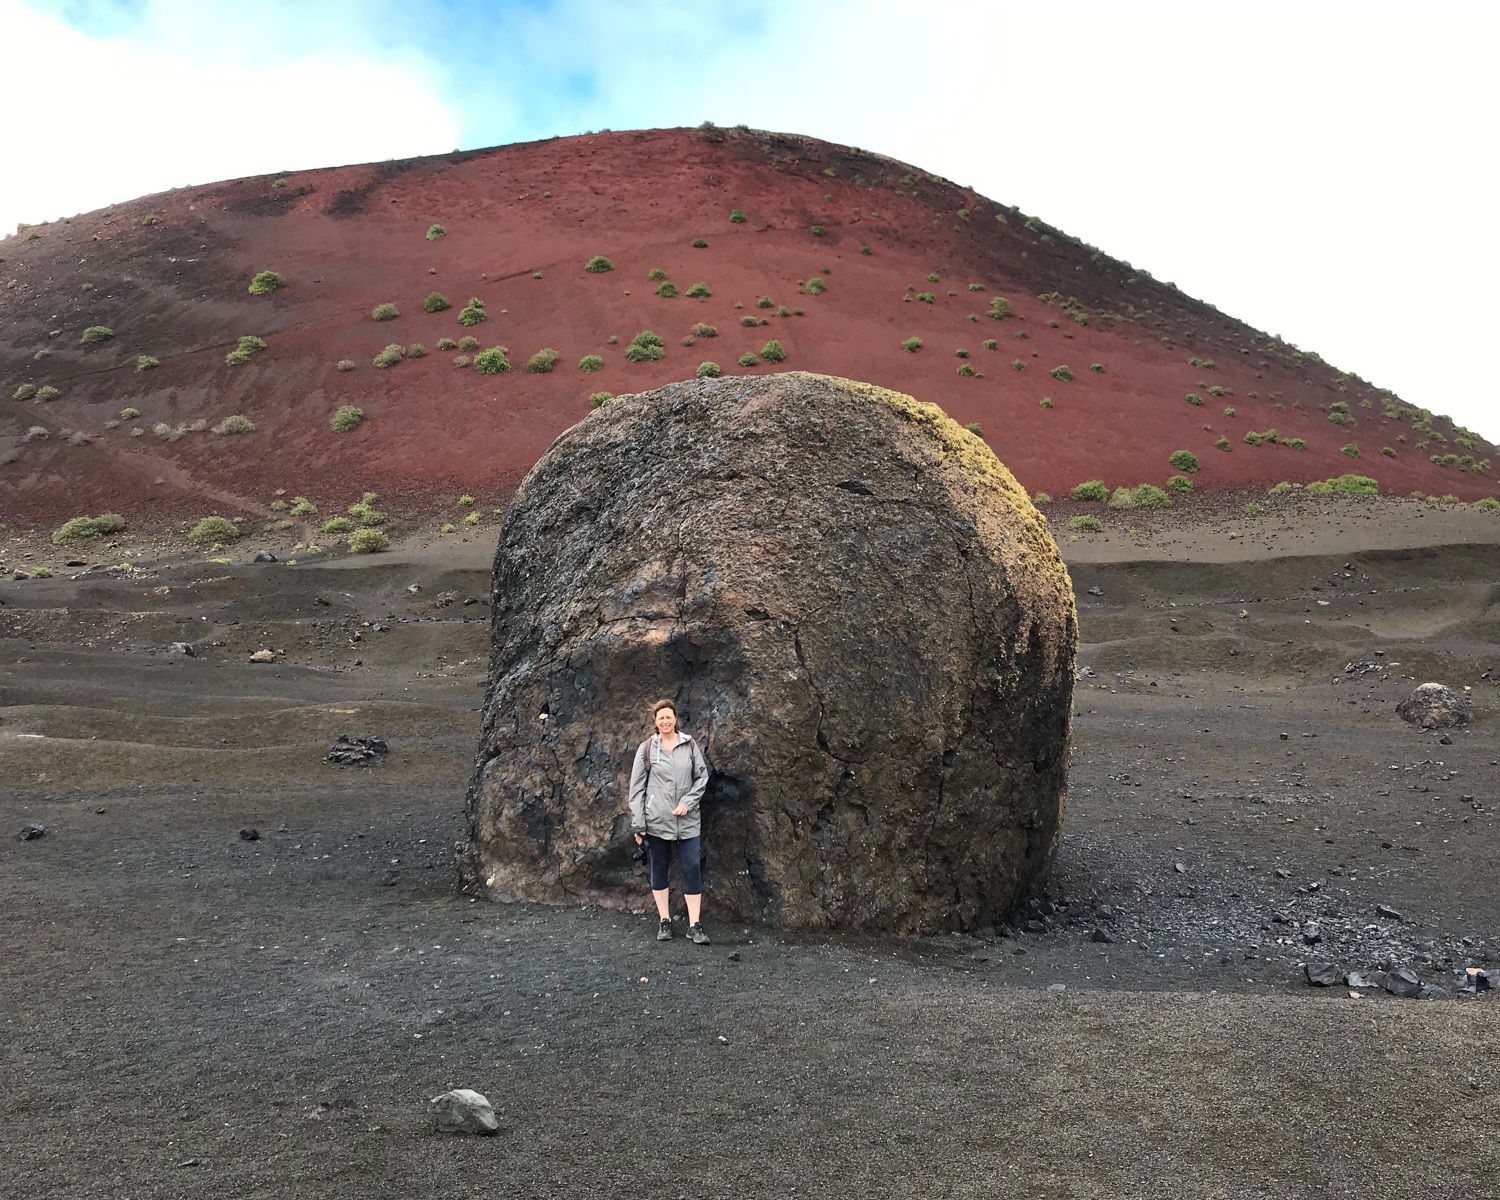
[
  {"x": 690, "y": 856},
  {"x": 661, "y": 859}
]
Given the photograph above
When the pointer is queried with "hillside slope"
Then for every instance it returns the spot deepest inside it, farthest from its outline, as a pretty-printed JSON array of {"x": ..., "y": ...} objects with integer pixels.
[{"x": 900, "y": 255}]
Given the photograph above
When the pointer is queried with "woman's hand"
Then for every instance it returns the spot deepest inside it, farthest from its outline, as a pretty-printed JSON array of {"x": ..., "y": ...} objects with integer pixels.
[
  {"x": 637, "y": 839},
  {"x": 680, "y": 811}
]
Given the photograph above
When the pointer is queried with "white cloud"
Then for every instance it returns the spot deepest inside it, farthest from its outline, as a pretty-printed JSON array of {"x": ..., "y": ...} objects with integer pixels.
[{"x": 194, "y": 93}]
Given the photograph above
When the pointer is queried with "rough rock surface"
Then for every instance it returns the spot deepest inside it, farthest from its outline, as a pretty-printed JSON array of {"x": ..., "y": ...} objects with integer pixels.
[
  {"x": 463, "y": 1110},
  {"x": 1435, "y": 706},
  {"x": 861, "y": 617}
]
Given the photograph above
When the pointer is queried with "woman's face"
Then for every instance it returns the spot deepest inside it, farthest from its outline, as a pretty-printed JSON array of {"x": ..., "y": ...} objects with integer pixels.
[{"x": 666, "y": 722}]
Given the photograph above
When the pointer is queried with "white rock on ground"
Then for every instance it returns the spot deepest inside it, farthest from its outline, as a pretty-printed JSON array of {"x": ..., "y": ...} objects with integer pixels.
[{"x": 463, "y": 1111}]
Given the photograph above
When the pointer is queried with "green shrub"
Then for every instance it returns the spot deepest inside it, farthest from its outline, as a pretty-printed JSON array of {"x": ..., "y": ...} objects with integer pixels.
[
  {"x": 1294, "y": 443},
  {"x": 1194, "y": 399},
  {"x": 436, "y": 302},
  {"x": 85, "y": 529},
  {"x": 927, "y": 297},
  {"x": 736, "y": 217},
  {"x": 338, "y": 525},
  {"x": 960, "y": 353},
  {"x": 699, "y": 291},
  {"x": 1018, "y": 364},
  {"x": 1062, "y": 374},
  {"x": 1145, "y": 495},
  {"x": 1229, "y": 412},
  {"x": 25, "y": 391},
  {"x": 1085, "y": 525},
  {"x": 703, "y": 331},
  {"x": 347, "y": 418},
  {"x": 472, "y": 313},
  {"x": 815, "y": 287},
  {"x": 1097, "y": 368},
  {"x": 773, "y": 352},
  {"x": 765, "y": 302},
  {"x": 591, "y": 363},
  {"x": 932, "y": 277},
  {"x": 1254, "y": 439},
  {"x": 750, "y": 322},
  {"x": 542, "y": 362},
  {"x": 1345, "y": 485},
  {"x": 40, "y": 573},
  {"x": 248, "y": 345},
  {"x": 598, "y": 265},
  {"x": 912, "y": 345},
  {"x": 448, "y": 527},
  {"x": 977, "y": 430},
  {"x": 301, "y": 507},
  {"x": 494, "y": 361},
  {"x": 235, "y": 423},
  {"x": 1046, "y": 402},
  {"x": 212, "y": 530},
  {"x": 991, "y": 344},
  {"x": 1184, "y": 460},
  {"x": 47, "y": 392},
  {"x": 265, "y": 283},
  {"x": 708, "y": 370},
  {"x": 748, "y": 359},
  {"x": 96, "y": 333},
  {"x": 536, "y": 274},
  {"x": 1206, "y": 363},
  {"x": 446, "y": 343},
  {"x": 468, "y": 344},
  {"x": 1180, "y": 483},
  {"x": 368, "y": 541},
  {"x": 700, "y": 244},
  {"x": 667, "y": 291},
  {"x": 390, "y": 356},
  {"x": 817, "y": 231},
  {"x": 865, "y": 250},
  {"x": 1282, "y": 488},
  {"x": 145, "y": 362},
  {"x": 1000, "y": 308},
  {"x": 1351, "y": 450},
  {"x": 966, "y": 371},
  {"x": 1222, "y": 444},
  {"x": 150, "y": 219},
  {"x": 472, "y": 519},
  {"x": 416, "y": 350},
  {"x": 1252, "y": 510},
  {"x": 435, "y": 231},
  {"x": 1489, "y": 504},
  {"x": 1216, "y": 391},
  {"x": 129, "y": 414},
  {"x": 599, "y": 399},
  {"x": 385, "y": 312},
  {"x": 976, "y": 287},
  {"x": 1092, "y": 489}
]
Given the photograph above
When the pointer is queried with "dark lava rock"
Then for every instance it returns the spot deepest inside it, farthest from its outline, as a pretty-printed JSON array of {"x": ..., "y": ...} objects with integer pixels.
[
  {"x": 264, "y": 556},
  {"x": 351, "y": 752},
  {"x": 881, "y": 677},
  {"x": 1322, "y": 974},
  {"x": 1361, "y": 982},
  {"x": 1099, "y": 935},
  {"x": 1389, "y": 913},
  {"x": 1434, "y": 706},
  {"x": 32, "y": 832},
  {"x": 1403, "y": 982},
  {"x": 249, "y": 835}
]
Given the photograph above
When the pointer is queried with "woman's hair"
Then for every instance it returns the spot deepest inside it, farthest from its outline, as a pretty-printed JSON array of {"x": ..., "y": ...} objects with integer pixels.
[{"x": 661, "y": 704}]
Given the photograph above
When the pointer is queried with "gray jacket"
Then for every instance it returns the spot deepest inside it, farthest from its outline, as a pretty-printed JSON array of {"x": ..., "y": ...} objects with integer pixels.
[{"x": 676, "y": 778}]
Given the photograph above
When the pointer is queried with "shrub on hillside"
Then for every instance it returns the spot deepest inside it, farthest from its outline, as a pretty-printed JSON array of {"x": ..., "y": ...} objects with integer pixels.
[
  {"x": 817, "y": 231},
  {"x": 645, "y": 347},
  {"x": 912, "y": 345},
  {"x": 435, "y": 231},
  {"x": 748, "y": 359},
  {"x": 1195, "y": 399},
  {"x": 1085, "y": 525},
  {"x": 699, "y": 291},
  {"x": 368, "y": 541},
  {"x": 436, "y": 302},
  {"x": 1062, "y": 374},
  {"x": 1000, "y": 308},
  {"x": 773, "y": 352},
  {"x": 977, "y": 430},
  {"x": 1489, "y": 504},
  {"x": 301, "y": 507},
  {"x": 265, "y": 283},
  {"x": 345, "y": 364},
  {"x": 85, "y": 529},
  {"x": 703, "y": 331},
  {"x": 472, "y": 313},
  {"x": 700, "y": 244},
  {"x": 591, "y": 363},
  {"x": 750, "y": 322},
  {"x": 1184, "y": 460},
  {"x": 129, "y": 413},
  {"x": 598, "y": 265},
  {"x": 212, "y": 530},
  {"x": 667, "y": 290},
  {"x": 145, "y": 362},
  {"x": 1018, "y": 364},
  {"x": 384, "y": 312},
  {"x": 1222, "y": 444},
  {"x": 390, "y": 356},
  {"x": 416, "y": 350},
  {"x": 1092, "y": 489},
  {"x": 96, "y": 333},
  {"x": 494, "y": 361},
  {"x": 736, "y": 217},
  {"x": 25, "y": 391},
  {"x": 346, "y": 418},
  {"x": 235, "y": 423},
  {"x": 815, "y": 287},
  {"x": 542, "y": 362},
  {"x": 1180, "y": 483},
  {"x": 1351, "y": 450},
  {"x": 708, "y": 370},
  {"x": 967, "y": 371},
  {"x": 338, "y": 525},
  {"x": 600, "y": 399},
  {"x": 248, "y": 345},
  {"x": 1145, "y": 495}
]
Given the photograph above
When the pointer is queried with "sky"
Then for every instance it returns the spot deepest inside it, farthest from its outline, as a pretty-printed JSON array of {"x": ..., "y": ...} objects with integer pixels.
[{"x": 1322, "y": 170}]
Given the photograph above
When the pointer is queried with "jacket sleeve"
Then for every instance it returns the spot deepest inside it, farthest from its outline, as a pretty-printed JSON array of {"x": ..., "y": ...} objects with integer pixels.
[
  {"x": 700, "y": 779},
  {"x": 638, "y": 790}
]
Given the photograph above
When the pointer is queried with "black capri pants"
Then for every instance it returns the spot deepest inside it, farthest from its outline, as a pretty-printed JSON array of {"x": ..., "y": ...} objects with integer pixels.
[{"x": 689, "y": 857}]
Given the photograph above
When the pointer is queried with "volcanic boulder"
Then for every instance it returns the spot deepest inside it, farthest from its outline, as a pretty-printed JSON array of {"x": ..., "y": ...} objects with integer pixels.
[
  {"x": 861, "y": 618},
  {"x": 1435, "y": 706}
]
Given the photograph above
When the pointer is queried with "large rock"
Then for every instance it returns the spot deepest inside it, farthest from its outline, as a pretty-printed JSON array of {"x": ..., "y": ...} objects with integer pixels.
[
  {"x": 861, "y": 617},
  {"x": 1435, "y": 706}
]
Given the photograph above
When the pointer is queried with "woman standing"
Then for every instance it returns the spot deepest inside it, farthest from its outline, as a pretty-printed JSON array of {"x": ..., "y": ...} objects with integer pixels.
[{"x": 666, "y": 785}]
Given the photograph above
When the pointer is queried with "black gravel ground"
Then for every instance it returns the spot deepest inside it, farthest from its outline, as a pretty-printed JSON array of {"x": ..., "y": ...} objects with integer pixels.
[{"x": 189, "y": 1013}]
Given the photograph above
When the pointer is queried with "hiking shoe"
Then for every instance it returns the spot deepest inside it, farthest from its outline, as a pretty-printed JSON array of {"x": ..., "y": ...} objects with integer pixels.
[
  {"x": 664, "y": 930},
  {"x": 696, "y": 933}
]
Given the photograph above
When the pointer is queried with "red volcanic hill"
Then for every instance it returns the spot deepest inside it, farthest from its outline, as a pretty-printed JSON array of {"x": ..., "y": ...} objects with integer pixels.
[{"x": 843, "y": 257}]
